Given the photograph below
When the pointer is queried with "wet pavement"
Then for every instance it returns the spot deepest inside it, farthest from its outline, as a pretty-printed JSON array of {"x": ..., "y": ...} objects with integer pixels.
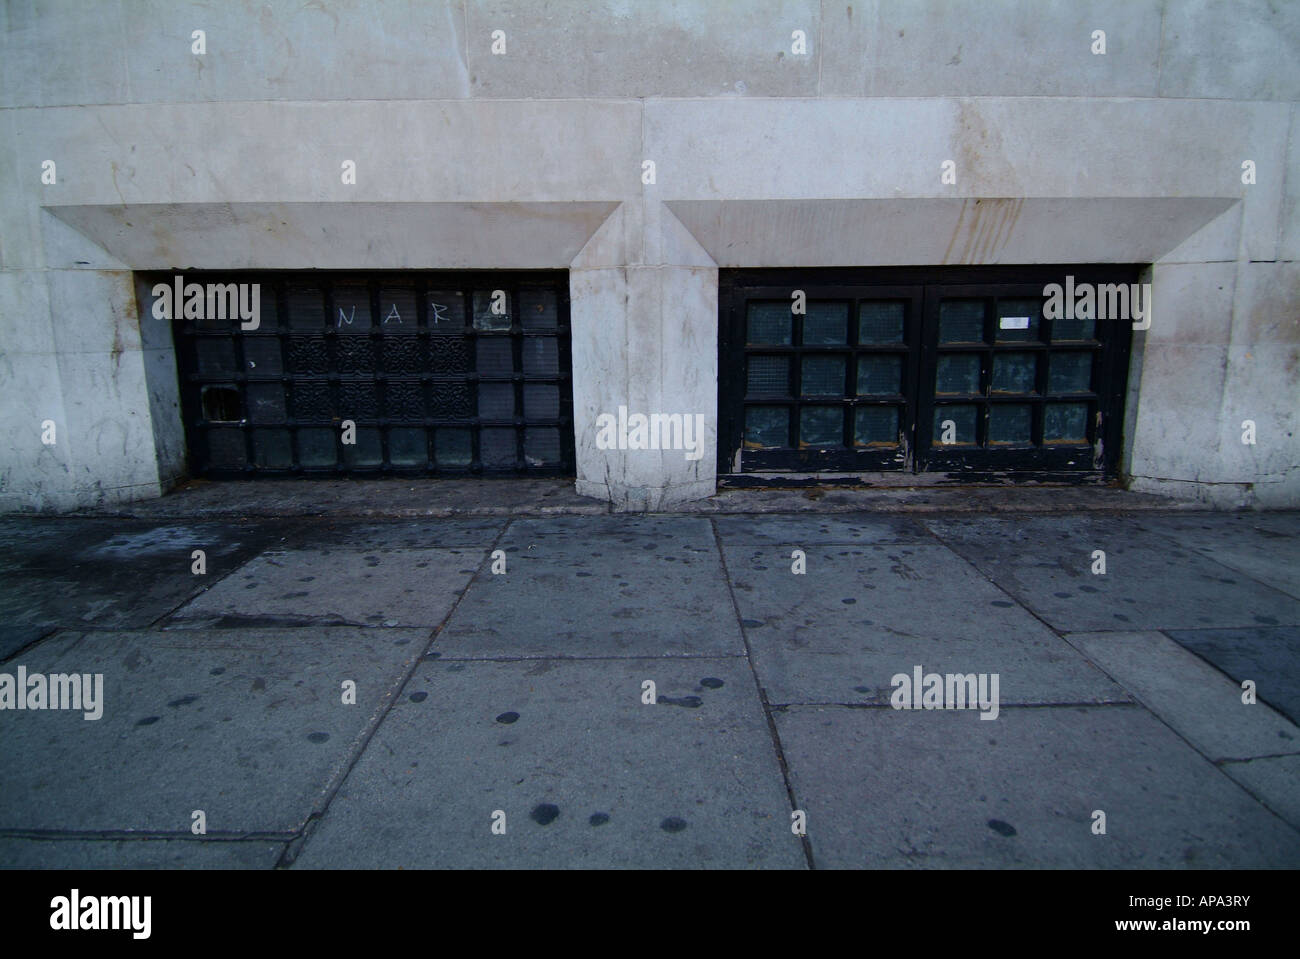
[{"x": 574, "y": 688}]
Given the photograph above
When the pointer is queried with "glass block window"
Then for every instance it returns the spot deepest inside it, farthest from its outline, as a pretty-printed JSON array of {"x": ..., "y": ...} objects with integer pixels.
[
  {"x": 961, "y": 321},
  {"x": 826, "y": 324},
  {"x": 436, "y": 371},
  {"x": 769, "y": 323},
  {"x": 1069, "y": 373},
  {"x": 955, "y": 425},
  {"x": 1065, "y": 423},
  {"x": 880, "y": 322},
  {"x": 958, "y": 373},
  {"x": 767, "y": 426},
  {"x": 1011, "y": 423},
  {"x": 822, "y": 375},
  {"x": 1019, "y": 320},
  {"x": 1014, "y": 372},
  {"x": 821, "y": 426},
  {"x": 876, "y": 426},
  {"x": 880, "y": 375},
  {"x": 768, "y": 374}
]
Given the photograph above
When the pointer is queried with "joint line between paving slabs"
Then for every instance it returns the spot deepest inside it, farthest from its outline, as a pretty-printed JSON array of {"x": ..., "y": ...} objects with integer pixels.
[
  {"x": 295, "y": 844},
  {"x": 762, "y": 694}
]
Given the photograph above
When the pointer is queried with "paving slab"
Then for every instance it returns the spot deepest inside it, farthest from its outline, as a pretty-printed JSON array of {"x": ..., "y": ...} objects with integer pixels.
[
  {"x": 841, "y": 631},
  {"x": 944, "y": 789},
  {"x": 21, "y": 853},
  {"x": 109, "y": 574},
  {"x": 311, "y": 587},
  {"x": 852, "y": 529},
  {"x": 1269, "y": 655},
  {"x": 586, "y": 774},
  {"x": 1199, "y": 702},
  {"x": 1263, "y": 546},
  {"x": 338, "y": 534},
  {"x": 1151, "y": 582},
  {"x": 247, "y": 725},
  {"x": 599, "y": 586},
  {"x": 1275, "y": 781}
]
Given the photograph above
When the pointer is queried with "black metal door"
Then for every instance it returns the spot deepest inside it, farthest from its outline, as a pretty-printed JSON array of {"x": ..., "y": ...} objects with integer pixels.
[
  {"x": 955, "y": 370},
  {"x": 435, "y": 373}
]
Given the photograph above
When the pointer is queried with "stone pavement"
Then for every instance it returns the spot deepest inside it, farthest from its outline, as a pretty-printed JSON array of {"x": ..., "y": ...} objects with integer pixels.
[{"x": 518, "y": 699}]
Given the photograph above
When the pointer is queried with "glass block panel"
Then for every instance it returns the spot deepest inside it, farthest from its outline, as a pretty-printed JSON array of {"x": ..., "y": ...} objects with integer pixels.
[
  {"x": 1065, "y": 423},
  {"x": 961, "y": 321},
  {"x": 538, "y": 310},
  {"x": 446, "y": 355},
  {"x": 1076, "y": 329},
  {"x": 826, "y": 324},
  {"x": 262, "y": 355},
  {"x": 1069, "y": 372},
  {"x": 880, "y": 374},
  {"x": 449, "y": 400},
  {"x": 308, "y": 354},
  {"x": 357, "y": 354},
  {"x": 404, "y": 400},
  {"x": 272, "y": 449},
  {"x": 402, "y": 354},
  {"x": 822, "y": 376},
  {"x": 540, "y": 355},
  {"x": 367, "y": 451},
  {"x": 487, "y": 303},
  {"x": 542, "y": 446},
  {"x": 446, "y": 311},
  {"x": 958, "y": 373},
  {"x": 317, "y": 449},
  {"x": 226, "y": 449},
  {"x": 767, "y": 426},
  {"x": 497, "y": 448},
  {"x": 1019, "y": 320},
  {"x": 306, "y": 308},
  {"x": 1011, "y": 423},
  {"x": 408, "y": 447},
  {"x": 453, "y": 448},
  {"x": 397, "y": 313},
  {"x": 310, "y": 400},
  {"x": 351, "y": 309},
  {"x": 954, "y": 425},
  {"x": 266, "y": 402},
  {"x": 496, "y": 401},
  {"x": 495, "y": 357},
  {"x": 541, "y": 401},
  {"x": 358, "y": 401},
  {"x": 768, "y": 323},
  {"x": 216, "y": 355},
  {"x": 821, "y": 426},
  {"x": 768, "y": 374},
  {"x": 1014, "y": 372},
  {"x": 880, "y": 322},
  {"x": 876, "y": 426}
]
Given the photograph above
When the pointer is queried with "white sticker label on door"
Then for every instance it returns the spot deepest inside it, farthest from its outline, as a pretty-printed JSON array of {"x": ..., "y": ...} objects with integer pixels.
[{"x": 1014, "y": 323}]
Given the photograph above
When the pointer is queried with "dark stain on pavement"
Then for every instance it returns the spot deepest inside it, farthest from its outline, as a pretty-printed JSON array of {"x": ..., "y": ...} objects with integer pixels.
[
  {"x": 544, "y": 813},
  {"x": 1002, "y": 828}
]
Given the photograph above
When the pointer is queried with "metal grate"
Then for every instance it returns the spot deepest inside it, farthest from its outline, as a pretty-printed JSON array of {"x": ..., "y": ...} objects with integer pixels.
[{"x": 440, "y": 373}]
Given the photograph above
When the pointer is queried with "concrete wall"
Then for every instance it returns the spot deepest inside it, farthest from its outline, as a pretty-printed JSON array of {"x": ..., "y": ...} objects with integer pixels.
[{"x": 533, "y": 158}]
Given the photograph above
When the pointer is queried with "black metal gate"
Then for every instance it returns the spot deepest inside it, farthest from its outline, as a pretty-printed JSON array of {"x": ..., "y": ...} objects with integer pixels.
[
  {"x": 402, "y": 373},
  {"x": 955, "y": 370}
]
